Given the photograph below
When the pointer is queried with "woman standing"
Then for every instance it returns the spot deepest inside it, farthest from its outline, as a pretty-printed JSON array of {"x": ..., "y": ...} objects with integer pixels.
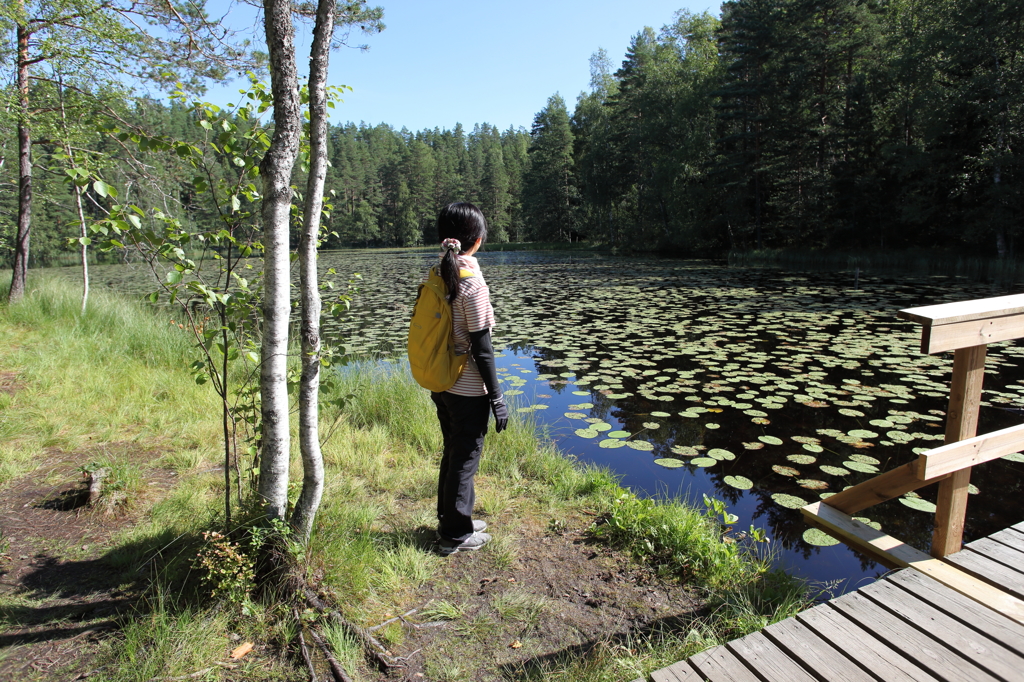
[{"x": 464, "y": 409}]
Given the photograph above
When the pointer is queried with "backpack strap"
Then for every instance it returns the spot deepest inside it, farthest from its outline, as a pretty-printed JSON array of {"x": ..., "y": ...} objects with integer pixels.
[{"x": 464, "y": 273}]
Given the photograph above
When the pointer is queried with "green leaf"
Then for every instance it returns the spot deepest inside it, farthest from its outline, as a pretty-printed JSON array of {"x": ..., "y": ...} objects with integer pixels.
[{"x": 101, "y": 188}]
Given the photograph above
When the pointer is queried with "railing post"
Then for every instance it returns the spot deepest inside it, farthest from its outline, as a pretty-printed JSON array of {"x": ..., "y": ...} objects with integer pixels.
[{"x": 961, "y": 423}]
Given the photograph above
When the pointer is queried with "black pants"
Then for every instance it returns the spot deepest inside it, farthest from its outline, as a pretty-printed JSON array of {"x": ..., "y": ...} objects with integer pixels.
[{"x": 463, "y": 427}]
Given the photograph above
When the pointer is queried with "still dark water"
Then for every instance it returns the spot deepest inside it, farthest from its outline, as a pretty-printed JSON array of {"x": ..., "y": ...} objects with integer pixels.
[{"x": 765, "y": 388}]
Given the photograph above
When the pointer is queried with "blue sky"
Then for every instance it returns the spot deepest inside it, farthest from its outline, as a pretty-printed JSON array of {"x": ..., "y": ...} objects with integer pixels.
[{"x": 442, "y": 62}]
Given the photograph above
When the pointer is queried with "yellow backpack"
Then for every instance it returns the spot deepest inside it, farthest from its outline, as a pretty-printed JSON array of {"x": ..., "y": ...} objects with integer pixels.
[{"x": 431, "y": 346}]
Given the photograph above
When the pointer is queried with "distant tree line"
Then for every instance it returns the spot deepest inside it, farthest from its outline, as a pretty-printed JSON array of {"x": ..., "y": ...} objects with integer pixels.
[
  {"x": 795, "y": 123},
  {"x": 784, "y": 123}
]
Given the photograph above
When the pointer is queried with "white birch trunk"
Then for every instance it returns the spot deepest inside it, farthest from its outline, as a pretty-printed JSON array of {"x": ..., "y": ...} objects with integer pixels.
[
  {"x": 309, "y": 387},
  {"x": 276, "y": 171}
]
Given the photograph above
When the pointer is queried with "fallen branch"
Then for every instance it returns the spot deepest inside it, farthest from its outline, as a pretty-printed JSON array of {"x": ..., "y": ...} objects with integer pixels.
[
  {"x": 389, "y": 621},
  {"x": 374, "y": 648},
  {"x": 303, "y": 649},
  {"x": 336, "y": 669}
]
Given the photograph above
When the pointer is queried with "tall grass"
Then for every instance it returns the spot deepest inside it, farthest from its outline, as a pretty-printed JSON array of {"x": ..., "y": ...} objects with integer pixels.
[
  {"x": 114, "y": 374},
  {"x": 909, "y": 261}
]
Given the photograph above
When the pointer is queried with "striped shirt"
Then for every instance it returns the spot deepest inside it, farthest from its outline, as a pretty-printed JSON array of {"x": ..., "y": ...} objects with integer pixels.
[{"x": 471, "y": 312}]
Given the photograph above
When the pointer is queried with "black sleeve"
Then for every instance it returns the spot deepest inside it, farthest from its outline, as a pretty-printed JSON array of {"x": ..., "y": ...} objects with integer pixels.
[{"x": 482, "y": 352}]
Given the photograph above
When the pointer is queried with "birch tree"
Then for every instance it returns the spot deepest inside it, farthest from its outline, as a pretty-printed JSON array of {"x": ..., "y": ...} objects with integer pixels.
[
  {"x": 309, "y": 386},
  {"x": 276, "y": 171}
]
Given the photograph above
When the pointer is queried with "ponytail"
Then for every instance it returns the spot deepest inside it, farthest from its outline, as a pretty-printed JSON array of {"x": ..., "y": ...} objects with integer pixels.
[
  {"x": 449, "y": 268},
  {"x": 457, "y": 224}
]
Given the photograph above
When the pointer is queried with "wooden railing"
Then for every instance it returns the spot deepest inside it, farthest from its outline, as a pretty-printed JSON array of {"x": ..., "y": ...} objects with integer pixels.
[{"x": 967, "y": 328}]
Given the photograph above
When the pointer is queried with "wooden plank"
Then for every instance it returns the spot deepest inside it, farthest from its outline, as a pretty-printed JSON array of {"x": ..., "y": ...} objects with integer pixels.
[
  {"x": 969, "y": 612},
  {"x": 721, "y": 665},
  {"x": 985, "y": 652},
  {"x": 815, "y": 653},
  {"x": 1008, "y": 537},
  {"x": 861, "y": 646},
  {"x": 947, "y": 459},
  {"x": 939, "y": 339},
  {"x": 962, "y": 311},
  {"x": 961, "y": 424},
  {"x": 677, "y": 672},
  {"x": 883, "y": 487},
  {"x": 897, "y": 553},
  {"x": 992, "y": 572},
  {"x": 761, "y": 654},
  {"x": 996, "y": 551},
  {"x": 939, "y": 660}
]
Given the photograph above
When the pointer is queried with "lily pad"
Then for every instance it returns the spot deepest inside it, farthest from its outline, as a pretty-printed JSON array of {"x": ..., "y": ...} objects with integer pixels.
[
  {"x": 770, "y": 440},
  {"x": 811, "y": 447},
  {"x": 720, "y": 454},
  {"x": 618, "y": 434},
  {"x": 834, "y": 471},
  {"x": 669, "y": 463},
  {"x": 861, "y": 467},
  {"x": 789, "y": 501},
  {"x": 918, "y": 504},
  {"x": 581, "y": 392},
  {"x": 864, "y": 459},
  {"x": 863, "y": 433},
  {"x": 1014, "y": 457},
  {"x": 811, "y": 483},
  {"x": 712, "y": 425},
  {"x": 587, "y": 433},
  {"x": 739, "y": 482},
  {"x": 784, "y": 470},
  {"x": 612, "y": 443},
  {"x": 601, "y": 426},
  {"x": 819, "y": 538},
  {"x": 640, "y": 445},
  {"x": 704, "y": 461},
  {"x": 685, "y": 450},
  {"x": 575, "y": 415},
  {"x": 660, "y": 414},
  {"x": 651, "y": 425},
  {"x": 801, "y": 459}
]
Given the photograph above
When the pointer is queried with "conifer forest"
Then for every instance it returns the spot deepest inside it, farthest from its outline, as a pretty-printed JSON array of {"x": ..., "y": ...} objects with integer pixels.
[{"x": 813, "y": 124}]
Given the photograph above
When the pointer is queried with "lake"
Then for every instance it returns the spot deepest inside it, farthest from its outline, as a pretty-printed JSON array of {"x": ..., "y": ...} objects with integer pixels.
[{"x": 765, "y": 388}]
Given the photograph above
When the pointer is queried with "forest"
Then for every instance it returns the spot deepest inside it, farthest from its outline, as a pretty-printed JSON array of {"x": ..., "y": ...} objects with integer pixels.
[{"x": 825, "y": 124}]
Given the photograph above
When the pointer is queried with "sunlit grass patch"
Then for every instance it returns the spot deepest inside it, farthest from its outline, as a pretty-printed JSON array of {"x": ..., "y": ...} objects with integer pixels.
[{"x": 112, "y": 374}]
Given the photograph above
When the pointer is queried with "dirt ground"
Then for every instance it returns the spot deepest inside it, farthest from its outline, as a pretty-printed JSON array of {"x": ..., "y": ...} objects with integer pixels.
[
  {"x": 564, "y": 592},
  {"x": 63, "y": 596}
]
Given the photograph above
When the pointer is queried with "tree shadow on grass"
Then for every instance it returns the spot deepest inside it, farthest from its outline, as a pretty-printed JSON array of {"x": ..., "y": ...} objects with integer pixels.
[{"x": 61, "y": 598}]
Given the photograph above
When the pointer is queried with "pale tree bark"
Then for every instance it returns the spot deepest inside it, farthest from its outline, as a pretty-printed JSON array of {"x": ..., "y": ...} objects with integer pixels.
[
  {"x": 276, "y": 170},
  {"x": 309, "y": 387},
  {"x": 20, "y": 270}
]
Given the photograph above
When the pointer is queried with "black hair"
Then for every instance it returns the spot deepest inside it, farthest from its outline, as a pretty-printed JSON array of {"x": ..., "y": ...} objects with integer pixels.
[{"x": 465, "y": 222}]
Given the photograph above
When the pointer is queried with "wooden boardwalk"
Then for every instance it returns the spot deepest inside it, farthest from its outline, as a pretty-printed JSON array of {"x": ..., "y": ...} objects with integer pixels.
[{"x": 905, "y": 627}]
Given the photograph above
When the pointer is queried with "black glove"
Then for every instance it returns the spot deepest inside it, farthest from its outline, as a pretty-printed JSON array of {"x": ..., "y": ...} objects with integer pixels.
[{"x": 500, "y": 412}]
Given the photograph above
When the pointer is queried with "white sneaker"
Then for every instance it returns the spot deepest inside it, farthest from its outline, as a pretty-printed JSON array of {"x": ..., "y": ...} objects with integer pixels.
[
  {"x": 473, "y": 542},
  {"x": 478, "y": 527}
]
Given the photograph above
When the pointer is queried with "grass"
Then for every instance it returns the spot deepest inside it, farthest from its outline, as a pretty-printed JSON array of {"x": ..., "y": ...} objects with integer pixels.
[
  {"x": 113, "y": 375},
  {"x": 917, "y": 261},
  {"x": 107, "y": 385}
]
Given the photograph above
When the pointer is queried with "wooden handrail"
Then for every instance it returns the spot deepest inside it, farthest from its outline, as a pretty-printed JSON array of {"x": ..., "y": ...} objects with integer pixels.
[
  {"x": 964, "y": 324},
  {"x": 965, "y": 327}
]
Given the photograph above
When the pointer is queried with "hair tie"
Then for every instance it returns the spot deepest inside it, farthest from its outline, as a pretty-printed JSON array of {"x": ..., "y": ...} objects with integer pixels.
[{"x": 452, "y": 245}]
